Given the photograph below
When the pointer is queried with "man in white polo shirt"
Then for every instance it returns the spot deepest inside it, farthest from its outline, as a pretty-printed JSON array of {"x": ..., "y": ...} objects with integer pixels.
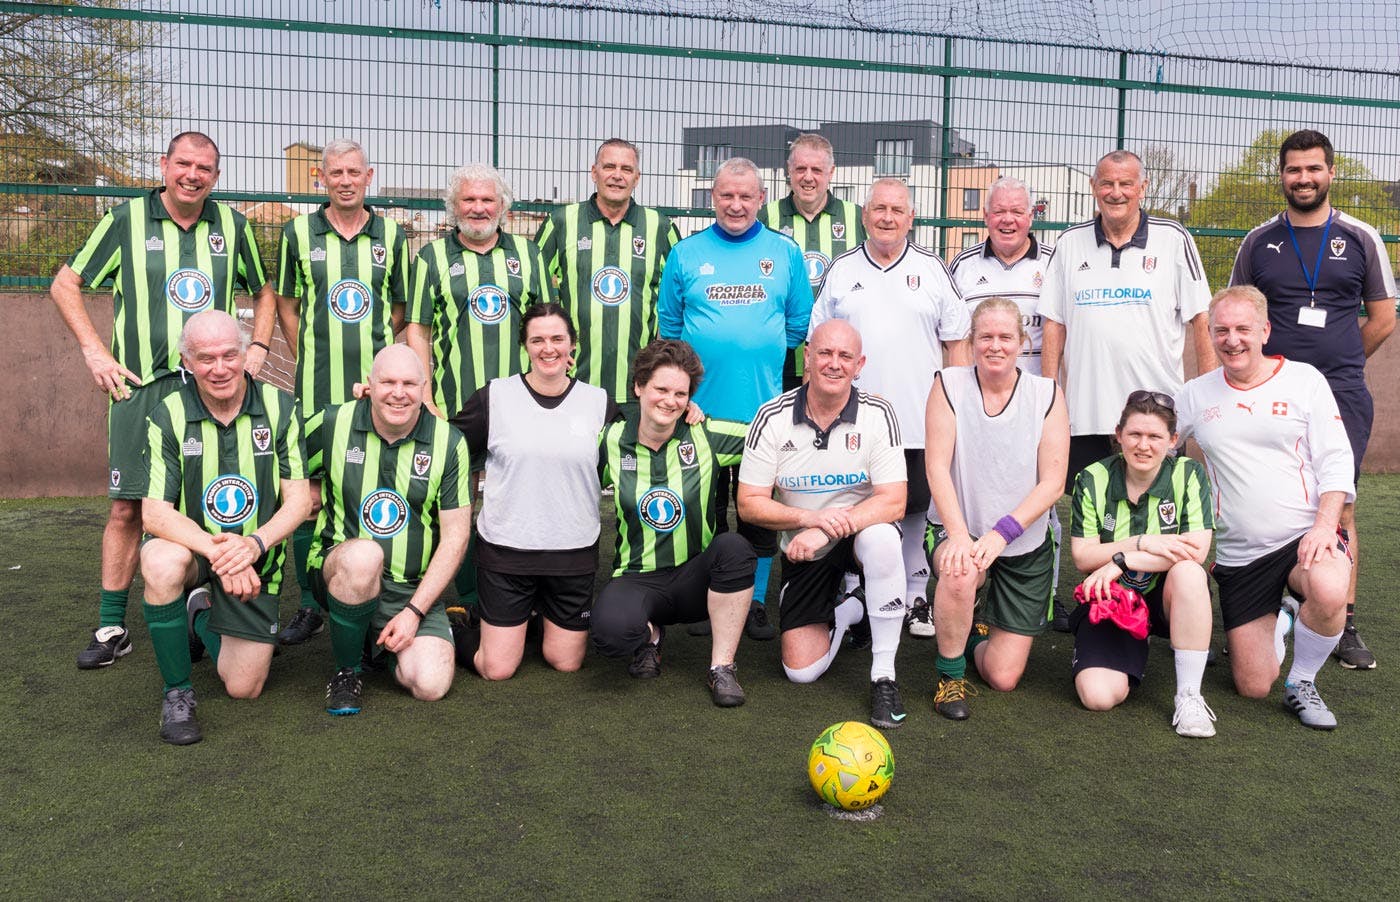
[
  {"x": 1119, "y": 296},
  {"x": 912, "y": 323},
  {"x": 823, "y": 463}
]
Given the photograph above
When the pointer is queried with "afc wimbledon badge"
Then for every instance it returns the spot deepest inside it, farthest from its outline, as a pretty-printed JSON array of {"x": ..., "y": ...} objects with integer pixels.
[
  {"x": 1338, "y": 245},
  {"x": 765, "y": 266},
  {"x": 216, "y": 242},
  {"x": 513, "y": 264},
  {"x": 1166, "y": 511},
  {"x": 838, "y": 230},
  {"x": 687, "y": 453},
  {"x": 379, "y": 253},
  {"x": 262, "y": 437},
  {"x": 421, "y": 463},
  {"x": 639, "y": 247}
]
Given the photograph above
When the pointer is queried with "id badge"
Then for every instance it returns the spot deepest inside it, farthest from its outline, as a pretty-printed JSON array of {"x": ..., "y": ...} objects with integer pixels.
[{"x": 1312, "y": 316}]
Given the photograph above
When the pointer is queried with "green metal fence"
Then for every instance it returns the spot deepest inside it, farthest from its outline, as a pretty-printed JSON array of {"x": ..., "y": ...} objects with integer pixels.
[{"x": 89, "y": 94}]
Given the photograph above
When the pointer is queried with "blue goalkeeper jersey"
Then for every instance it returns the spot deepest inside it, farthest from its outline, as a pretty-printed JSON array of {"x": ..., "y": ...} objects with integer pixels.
[{"x": 740, "y": 301}]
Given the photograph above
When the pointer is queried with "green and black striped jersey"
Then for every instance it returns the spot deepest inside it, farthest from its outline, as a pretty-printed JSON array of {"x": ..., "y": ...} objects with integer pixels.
[
  {"x": 835, "y": 230},
  {"x": 347, "y": 291},
  {"x": 608, "y": 276},
  {"x": 472, "y": 302},
  {"x": 226, "y": 478},
  {"x": 1177, "y": 502},
  {"x": 389, "y": 492},
  {"x": 665, "y": 499},
  {"x": 162, "y": 275}
]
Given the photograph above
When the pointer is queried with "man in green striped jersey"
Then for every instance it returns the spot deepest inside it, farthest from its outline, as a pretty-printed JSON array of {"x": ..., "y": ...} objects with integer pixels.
[
  {"x": 225, "y": 484},
  {"x": 469, "y": 289},
  {"x": 168, "y": 254},
  {"x": 606, "y": 255},
  {"x": 823, "y": 226},
  {"x": 395, "y": 517},
  {"x": 342, "y": 285}
]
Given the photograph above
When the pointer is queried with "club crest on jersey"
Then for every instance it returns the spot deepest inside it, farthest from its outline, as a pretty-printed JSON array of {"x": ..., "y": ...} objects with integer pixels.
[
  {"x": 1149, "y": 264},
  {"x": 816, "y": 263},
  {"x": 912, "y": 280},
  {"x": 639, "y": 247},
  {"x": 1338, "y": 246},
  {"x": 610, "y": 286},
  {"x": 838, "y": 230},
  {"x": 1166, "y": 512},
  {"x": 853, "y": 442},
  {"x": 489, "y": 304},
  {"x": 350, "y": 300},
  {"x": 661, "y": 509},
  {"x": 216, "y": 242},
  {"x": 384, "y": 513},
  {"x": 189, "y": 290},
  {"x": 380, "y": 253},
  {"x": 1038, "y": 279},
  {"x": 230, "y": 499},
  {"x": 421, "y": 463},
  {"x": 192, "y": 447},
  {"x": 1279, "y": 408},
  {"x": 116, "y": 479},
  {"x": 154, "y": 244},
  {"x": 513, "y": 265},
  {"x": 765, "y": 266},
  {"x": 687, "y": 454},
  {"x": 262, "y": 437}
]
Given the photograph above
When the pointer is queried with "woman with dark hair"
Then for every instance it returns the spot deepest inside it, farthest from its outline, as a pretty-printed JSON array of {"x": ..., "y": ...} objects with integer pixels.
[
  {"x": 1142, "y": 520},
  {"x": 537, "y": 535},
  {"x": 671, "y": 567}
]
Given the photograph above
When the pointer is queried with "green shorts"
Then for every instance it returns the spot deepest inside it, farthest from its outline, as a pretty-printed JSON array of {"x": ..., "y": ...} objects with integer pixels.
[
  {"x": 392, "y": 598},
  {"x": 254, "y": 620},
  {"x": 126, "y": 435},
  {"x": 1019, "y": 588}
]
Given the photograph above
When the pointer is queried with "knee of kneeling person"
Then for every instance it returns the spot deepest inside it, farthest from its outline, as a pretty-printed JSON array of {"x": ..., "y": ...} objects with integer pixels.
[
  {"x": 245, "y": 687},
  {"x": 430, "y": 686},
  {"x": 494, "y": 671},
  {"x": 1096, "y": 695},
  {"x": 1004, "y": 680},
  {"x": 1254, "y": 684}
]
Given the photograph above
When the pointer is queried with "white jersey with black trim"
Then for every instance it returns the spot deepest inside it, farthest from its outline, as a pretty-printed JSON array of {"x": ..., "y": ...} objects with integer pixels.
[
  {"x": 1271, "y": 452},
  {"x": 1125, "y": 312},
  {"x": 811, "y": 469},
  {"x": 978, "y": 273},
  {"x": 903, "y": 313}
]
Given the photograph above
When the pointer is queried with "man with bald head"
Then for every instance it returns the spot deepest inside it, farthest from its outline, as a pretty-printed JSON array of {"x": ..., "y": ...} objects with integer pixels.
[
  {"x": 225, "y": 477},
  {"x": 823, "y": 463},
  {"x": 393, "y": 527}
]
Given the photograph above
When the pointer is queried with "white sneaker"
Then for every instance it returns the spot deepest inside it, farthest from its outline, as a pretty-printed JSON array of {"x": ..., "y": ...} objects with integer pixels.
[
  {"x": 921, "y": 619},
  {"x": 1302, "y": 699},
  {"x": 1193, "y": 716},
  {"x": 1287, "y": 616}
]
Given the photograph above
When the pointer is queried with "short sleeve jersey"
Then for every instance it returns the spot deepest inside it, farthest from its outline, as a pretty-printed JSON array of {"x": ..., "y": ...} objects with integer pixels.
[
  {"x": 1352, "y": 268},
  {"x": 390, "y": 492},
  {"x": 903, "y": 312},
  {"x": 608, "y": 277},
  {"x": 665, "y": 499},
  {"x": 835, "y": 230},
  {"x": 1271, "y": 452},
  {"x": 1177, "y": 502},
  {"x": 979, "y": 274},
  {"x": 1125, "y": 312},
  {"x": 161, "y": 275},
  {"x": 226, "y": 478},
  {"x": 811, "y": 468},
  {"x": 473, "y": 304},
  {"x": 740, "y": 301},
  {"x": 347, "y": 291}
]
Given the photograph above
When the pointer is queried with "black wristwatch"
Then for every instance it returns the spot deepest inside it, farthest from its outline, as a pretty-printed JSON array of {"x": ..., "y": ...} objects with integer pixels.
[{"x": 1120, "y": 561}]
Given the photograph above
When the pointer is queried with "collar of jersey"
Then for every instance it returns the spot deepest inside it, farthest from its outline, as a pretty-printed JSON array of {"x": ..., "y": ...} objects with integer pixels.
[
  {"x": 632, "y": 216},
  {"x": 1139, "y": 238},
  {"x": 155, "y": 207},
  {"x": 1117, "y": 489},
  {"x": 373, "y": 227},
  {"x": 362, "y": 421},
  {"x": 738, "y": 239},
  {"x": 833, "y": 207},
  {"x": 847, "y": 414},
  {"x": 195, "y": 409},
  {"x": 1032, "y": 252},
  {"x": 457, "y": 242}
]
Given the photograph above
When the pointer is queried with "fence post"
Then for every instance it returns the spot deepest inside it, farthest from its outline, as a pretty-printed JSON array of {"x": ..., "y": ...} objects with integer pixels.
[
  {"x": 946, "y": 152},
  {"x": 496, "y": 84},
  {"x": 1122, "y": 98}
]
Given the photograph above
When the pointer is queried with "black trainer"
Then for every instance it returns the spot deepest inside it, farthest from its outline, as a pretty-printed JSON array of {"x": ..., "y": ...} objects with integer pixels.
[
  {"x": 108, "y": 643},
  {"x": 646, "y": 663},
  {"x": 951, "y": 698},
  {"x": 886, "y": 707},
  {"x": 1060, "y": 621},
  {"x": 305, "y": 623},
  {"x": 466, "y": 635},
  {"x": 724, "y": 686},
  {"x": 177, "y": 723},
  {"x": 197, "y": 600},
  {"x": 1352, "y": 653},
  {"x": 757, "y": 627},
  {"x": 343, "y": 693}
]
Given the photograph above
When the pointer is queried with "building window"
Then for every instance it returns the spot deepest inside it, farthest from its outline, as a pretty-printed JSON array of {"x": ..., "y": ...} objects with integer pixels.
[
  {"x": 972, "y": 198},
  {"x": 700, "y": 198},
  {"x": 970, "y": 239},
  {"x": 893, "y": 158},
  {"x": 711, "y": 155}
]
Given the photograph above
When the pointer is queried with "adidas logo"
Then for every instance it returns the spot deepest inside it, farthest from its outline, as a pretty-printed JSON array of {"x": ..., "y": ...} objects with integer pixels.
[
  {"x": 787, "y": 446},
  {"x": 892, "y": 606},
  {"x": 857, "y": 287},
  {"x": 1083, "y": 266},
  {"x": 982, "y": 280},
  {"x": 921, "y": 573}
]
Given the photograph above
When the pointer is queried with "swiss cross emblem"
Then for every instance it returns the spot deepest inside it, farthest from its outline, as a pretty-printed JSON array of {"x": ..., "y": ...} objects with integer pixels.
[
  {"x": 513, "y": 264},
  {"x": 838, "y": 230},
  {"x": 421, "y": 463},
  {"x": 262, "y": 437},
  {"x": 1149, "y": 264},
  {"x": 912, "y": 281},
  {"x": 1280, "y": 409}
]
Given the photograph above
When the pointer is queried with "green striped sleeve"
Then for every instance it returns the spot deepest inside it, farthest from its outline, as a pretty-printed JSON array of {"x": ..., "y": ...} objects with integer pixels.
[
  {"x": 100, "y": 255},
  {"x": 1197, "y": 511},
  {"x": 162, "y": 455},
  {"x": 425, "y": 283},
  {"x": 727, "y": 440},
  {"x": 398, "y": 280},
  {"x": 1088, "y": 501},
  {"x": 547, "y": 240},
  {"x": 250, "y": 268},
  {"x": 288, "y": 273},
  {"x": 454, "y": 490},
  {"x": 313, "y": 433}
]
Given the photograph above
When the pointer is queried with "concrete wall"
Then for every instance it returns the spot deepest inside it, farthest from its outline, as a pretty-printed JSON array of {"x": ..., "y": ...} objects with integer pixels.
[{"x": 53, "y": 420}]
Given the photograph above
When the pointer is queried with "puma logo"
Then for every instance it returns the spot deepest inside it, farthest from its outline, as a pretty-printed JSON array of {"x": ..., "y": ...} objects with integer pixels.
[
  {"x": 1276, "y": 248},
  {"x": 1248, "y": 408}
]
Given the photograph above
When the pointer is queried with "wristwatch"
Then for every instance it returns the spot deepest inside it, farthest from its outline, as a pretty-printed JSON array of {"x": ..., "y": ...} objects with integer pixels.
[{"x": 1120, "y": 561}]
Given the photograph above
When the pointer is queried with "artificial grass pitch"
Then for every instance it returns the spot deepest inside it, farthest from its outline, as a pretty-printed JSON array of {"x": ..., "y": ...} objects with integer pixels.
[{"x": 594, "y": 785}]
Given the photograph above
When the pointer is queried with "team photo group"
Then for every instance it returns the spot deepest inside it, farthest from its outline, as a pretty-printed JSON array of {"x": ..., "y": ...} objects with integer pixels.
[{"x": 798, "y": 382}]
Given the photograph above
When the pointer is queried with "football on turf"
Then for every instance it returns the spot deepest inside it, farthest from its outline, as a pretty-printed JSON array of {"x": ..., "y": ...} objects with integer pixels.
[{"x": 850, "y": 765}]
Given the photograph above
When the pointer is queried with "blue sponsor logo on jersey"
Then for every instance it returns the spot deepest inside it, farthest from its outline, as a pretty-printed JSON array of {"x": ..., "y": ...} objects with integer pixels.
[
  {"x": 816, "y": 263},
  {"x": 1112, "y": 297},
  {"x": 384, "y": 513},
  {"x": 489, "y": 304},
  {"x": 230, "y": 499},
  {"x": 189, "y": 290},
  {"x": 350, "y": 300},
  {"x": 822, "y": 483},
  {"x": 611, "y": 286},
  {"x": 661, "y": 508}
]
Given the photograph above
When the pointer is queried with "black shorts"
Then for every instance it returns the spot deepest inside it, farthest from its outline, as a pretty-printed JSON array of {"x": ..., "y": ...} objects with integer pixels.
[
  {"x": 763, "y": 541},
  {"x": 1255, "y": 590},
  {"x": 1083, "y": 451},
  {"x": 1105, "y": 644},
  {"x": 808, "y": 594},
  {"x": 506, "y": 599},
  {"x": 670, "y": 595},
  {"x": 1358, "y": 412},
  {"x": 919, "y": 497}
]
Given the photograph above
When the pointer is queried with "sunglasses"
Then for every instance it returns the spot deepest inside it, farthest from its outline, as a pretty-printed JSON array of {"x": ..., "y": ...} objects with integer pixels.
[{"x": 1142, "y": 396}]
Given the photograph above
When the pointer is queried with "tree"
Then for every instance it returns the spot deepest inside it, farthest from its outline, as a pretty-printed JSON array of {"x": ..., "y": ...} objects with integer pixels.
[
  {"x": 1248, "y": 193},
  {"x": 1169, "y": 182}
]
